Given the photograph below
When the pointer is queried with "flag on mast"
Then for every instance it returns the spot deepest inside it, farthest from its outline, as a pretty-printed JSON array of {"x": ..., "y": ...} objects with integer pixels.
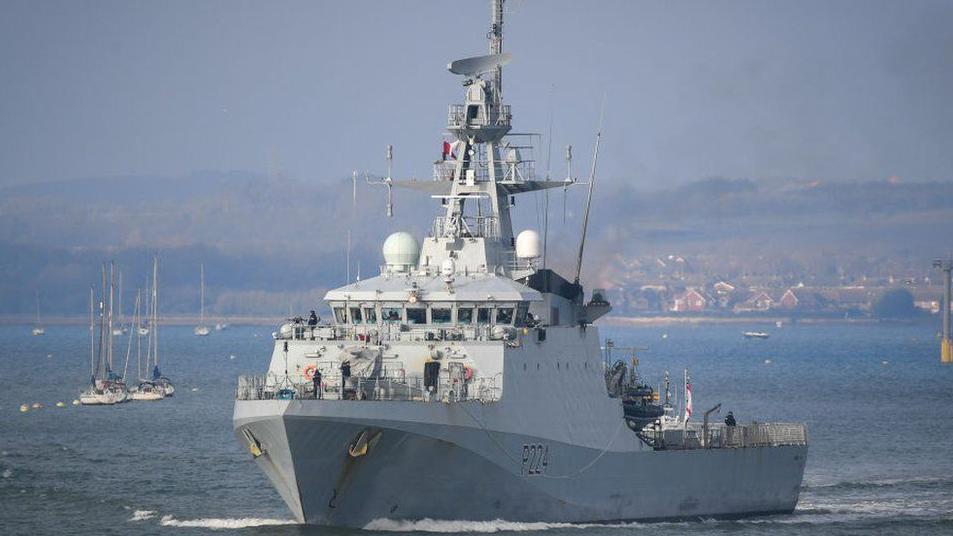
[{"x": 688, "y": 397}]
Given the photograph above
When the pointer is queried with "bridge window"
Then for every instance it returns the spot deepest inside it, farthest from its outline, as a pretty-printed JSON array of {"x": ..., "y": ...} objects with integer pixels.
[
  {"x": 440, "y": 315},
  {"x": 416, "y": 315},
  {"x": 340, "y": 315},
  {"x": 390, "y": 314},
  {"x": 370, "y": 315},
  {"x": 504, "y": 315},
  {"x": 521, "y": 311},
  {"x": 356, "y": 316},
  {"x": 483, "y": 315},
  {"x": 465, "y": 315}
]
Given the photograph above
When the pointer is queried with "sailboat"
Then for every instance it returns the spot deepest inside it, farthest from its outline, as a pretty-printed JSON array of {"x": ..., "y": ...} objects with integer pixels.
[
  {"x": 158, "y": 382},
  {"x": 37, "y": 329},
  {"x": 106, "y": 386},
  {"x": 201, "y": 330},
  {"x": 146, "y": 389}
]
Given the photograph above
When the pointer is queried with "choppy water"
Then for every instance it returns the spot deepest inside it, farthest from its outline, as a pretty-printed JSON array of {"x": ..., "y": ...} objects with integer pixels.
[{"x": 878, "y": 404}]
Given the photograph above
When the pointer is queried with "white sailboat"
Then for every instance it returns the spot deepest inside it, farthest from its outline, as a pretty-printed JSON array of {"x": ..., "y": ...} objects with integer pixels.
[
  {"x": 147, "y": 390},
  {"x": 156, "y": 383},
  {"x": 106, "y": 386},
  {"x": 201, "y": 330},
  {"x": 37, "y": 329}
]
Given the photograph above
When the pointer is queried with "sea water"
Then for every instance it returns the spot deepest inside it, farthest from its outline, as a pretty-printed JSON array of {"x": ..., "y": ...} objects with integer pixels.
[{"x": 877, "y": 402}]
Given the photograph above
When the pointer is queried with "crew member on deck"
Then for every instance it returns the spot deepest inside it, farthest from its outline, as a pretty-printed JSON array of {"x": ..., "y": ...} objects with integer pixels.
[
  {"x": 317, "y": 382},
  {"x": 730, "y": 420},
  {"x": 312, "y": 323}
]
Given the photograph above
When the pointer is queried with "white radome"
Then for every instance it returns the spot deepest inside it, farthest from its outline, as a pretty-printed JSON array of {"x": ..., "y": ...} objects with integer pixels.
[
  {"x": 401, "y": 251},
  {"x": 527, "y": 245}
]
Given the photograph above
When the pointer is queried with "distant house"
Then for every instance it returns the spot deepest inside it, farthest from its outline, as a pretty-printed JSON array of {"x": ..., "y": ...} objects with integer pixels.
[
  {"x": 789, "y": 300},
  {"x": 802, "y": 299},
  {"x": 690, "y": 301},
  {"x": 759, "y": 301}
]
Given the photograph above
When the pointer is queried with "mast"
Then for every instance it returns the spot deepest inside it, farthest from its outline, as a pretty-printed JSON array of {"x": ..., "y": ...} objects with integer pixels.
[
  {"x": 109, "y": 316},
  {"x": 137, "y": 320},
  {"x": 101, "y": 351},
  {"x": 92, "y": 336},
  {"x": 119, "y": 299},
  {"x": 154, "y": 332},
  {"x": 496, "y": 47},
  {"x": 37, "y": 307},
  {"x": 202, "y": 294}
]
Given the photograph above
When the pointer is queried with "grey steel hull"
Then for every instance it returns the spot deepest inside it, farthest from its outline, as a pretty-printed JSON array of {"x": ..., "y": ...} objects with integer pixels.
[{"x": 439, "y": 461}]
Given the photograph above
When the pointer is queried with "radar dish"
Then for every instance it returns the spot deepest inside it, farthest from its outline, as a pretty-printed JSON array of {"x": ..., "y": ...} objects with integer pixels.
[{"x": 479, "y": 64}]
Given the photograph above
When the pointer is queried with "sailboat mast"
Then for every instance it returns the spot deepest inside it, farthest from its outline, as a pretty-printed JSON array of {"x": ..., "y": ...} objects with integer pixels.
[
  {"x": 137, "y": 321},
  {"x": 202, "y": 294},
  {"x": 109, "y": 315},
  {"x": 155, "y": 310},
  {"x": 92, "y": 336},
  {"x": 38, "y": 308},
  {"x": 119, "y": 299},
  {"x": 101, "y": 352}
]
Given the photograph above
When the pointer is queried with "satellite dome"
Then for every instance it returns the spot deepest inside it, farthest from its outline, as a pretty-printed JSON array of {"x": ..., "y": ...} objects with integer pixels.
[
  {"x": 527, "y": 245},
  {"x": 401, "y": 251}
]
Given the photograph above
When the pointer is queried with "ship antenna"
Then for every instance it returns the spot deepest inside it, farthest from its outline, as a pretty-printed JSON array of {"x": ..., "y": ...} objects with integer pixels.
[
  {"x": 549, "y": 158},
  {"x": 592, "y": 180}
]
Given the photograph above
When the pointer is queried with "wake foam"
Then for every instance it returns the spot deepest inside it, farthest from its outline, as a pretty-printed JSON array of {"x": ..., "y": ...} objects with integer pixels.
[
  {"x": 142, "y": 515},
  {"x": 223, "y": 524},
  {"x": 482, "y": 527}
]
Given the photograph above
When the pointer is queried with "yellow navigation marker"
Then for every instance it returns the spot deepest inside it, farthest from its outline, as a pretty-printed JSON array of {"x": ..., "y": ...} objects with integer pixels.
[{"x": 24, "y": 408}]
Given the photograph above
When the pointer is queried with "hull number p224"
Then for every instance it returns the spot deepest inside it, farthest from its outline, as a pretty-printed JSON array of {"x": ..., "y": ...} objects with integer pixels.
[{"x": 535, "y": 460}]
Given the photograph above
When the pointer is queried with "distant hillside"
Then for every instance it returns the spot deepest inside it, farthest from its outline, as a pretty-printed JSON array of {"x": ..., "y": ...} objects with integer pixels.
[{"x": 268, "y": 242}]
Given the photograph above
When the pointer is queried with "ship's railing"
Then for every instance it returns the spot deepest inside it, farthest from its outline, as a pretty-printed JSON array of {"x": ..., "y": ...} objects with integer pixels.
[
  {"x": 395, "y": 331},
  {"x": 457, "y": 116},
  {"x": 473, "y": 226},
  {"x": 383, "y": 388},
  {"x": 716, "y": 436}
]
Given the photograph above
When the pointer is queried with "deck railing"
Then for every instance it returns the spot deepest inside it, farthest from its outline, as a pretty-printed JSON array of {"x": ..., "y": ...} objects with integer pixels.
[
  {"x": 384, "y": 388},
  {"x": 720, "y": 436}
]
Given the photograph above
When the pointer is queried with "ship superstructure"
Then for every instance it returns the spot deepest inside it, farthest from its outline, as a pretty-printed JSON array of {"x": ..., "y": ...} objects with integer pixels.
[{"x": 466, "y": 381}]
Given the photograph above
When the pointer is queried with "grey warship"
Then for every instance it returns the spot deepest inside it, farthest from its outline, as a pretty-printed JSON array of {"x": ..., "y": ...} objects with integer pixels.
[{"x": 467, "y": 381}]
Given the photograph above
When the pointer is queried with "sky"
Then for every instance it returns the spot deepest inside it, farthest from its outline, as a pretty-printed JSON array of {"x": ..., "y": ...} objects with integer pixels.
[{"x": 830, "y": 90}]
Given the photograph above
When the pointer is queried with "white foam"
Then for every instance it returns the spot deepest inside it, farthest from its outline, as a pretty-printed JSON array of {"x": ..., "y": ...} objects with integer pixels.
[
  {"x": 7, "y": 473},
  {"x": 484, "y": 527},
  {"x": 223, "y": 524},
  {"x": 142, "y": 515}
]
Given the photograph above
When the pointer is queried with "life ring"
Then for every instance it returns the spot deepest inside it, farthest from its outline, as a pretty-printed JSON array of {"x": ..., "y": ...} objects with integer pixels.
[{"x": 309, "y": 371}]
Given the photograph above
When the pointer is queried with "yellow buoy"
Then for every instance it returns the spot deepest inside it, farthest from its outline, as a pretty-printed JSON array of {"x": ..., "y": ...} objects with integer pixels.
[
  {"x": 37, "y": 405},
  {"x": 75, "y": 402},
  {"x": 60, "y": 405},
  {"x": 24, "y": 408}
]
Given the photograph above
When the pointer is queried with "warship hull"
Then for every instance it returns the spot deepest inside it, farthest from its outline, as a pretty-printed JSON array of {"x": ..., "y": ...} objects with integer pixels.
[{"x": 349, "y": 463}]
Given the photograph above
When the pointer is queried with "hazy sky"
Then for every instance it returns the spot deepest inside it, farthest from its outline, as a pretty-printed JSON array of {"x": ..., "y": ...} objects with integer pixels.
[{"x": 807, "y": 89}]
